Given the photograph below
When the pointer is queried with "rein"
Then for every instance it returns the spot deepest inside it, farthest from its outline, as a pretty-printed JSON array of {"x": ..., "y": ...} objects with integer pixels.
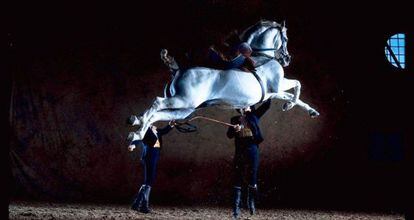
[
  {"x": 263, "y": 49},
  {"x": 262, "y": 54}
]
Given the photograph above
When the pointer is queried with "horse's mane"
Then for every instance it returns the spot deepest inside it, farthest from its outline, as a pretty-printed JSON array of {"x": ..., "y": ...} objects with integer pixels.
[{"x": 255, "y": 27}]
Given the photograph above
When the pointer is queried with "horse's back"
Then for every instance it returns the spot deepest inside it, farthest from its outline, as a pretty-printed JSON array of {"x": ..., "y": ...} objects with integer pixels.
[{"x": 232, "y": 87}]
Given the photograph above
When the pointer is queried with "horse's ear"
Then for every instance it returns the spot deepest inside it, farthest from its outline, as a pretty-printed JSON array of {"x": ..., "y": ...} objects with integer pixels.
[{"x": 283, "y": 23}]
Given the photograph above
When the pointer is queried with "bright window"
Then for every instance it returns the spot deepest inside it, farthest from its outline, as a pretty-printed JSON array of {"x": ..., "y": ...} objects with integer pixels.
[{"x": 395, "y": 50}]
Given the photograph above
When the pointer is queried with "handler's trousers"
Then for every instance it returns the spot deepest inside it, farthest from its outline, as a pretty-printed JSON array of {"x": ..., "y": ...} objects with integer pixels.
[
  {"x": 149, "y": 159},
  {"x": 246, "y": 155}
]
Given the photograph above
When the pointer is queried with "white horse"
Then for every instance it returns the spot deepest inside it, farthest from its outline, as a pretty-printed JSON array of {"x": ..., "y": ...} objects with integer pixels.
[{"x": 202, "y": 87}]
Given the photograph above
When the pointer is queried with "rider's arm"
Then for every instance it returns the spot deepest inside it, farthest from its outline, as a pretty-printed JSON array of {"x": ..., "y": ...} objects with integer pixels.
[{"x": 263, "y": 108}]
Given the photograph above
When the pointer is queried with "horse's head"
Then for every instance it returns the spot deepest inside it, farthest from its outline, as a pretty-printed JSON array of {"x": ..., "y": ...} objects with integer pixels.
[
  {"x": 282, "y": 54},
  {"x": 268, "y": 38}
]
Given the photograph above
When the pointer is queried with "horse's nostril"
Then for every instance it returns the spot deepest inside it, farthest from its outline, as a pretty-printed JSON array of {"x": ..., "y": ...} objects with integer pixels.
[{"x": 286, "y": 60}]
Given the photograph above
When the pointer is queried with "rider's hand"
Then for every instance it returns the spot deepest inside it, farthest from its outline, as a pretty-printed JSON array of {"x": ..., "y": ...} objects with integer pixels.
[{"x": 237, "y": 128}]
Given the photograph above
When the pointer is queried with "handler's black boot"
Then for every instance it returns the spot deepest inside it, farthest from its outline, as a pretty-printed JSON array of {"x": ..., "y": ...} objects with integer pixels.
[
  {"x": 251, "y": 196},
  {"x": 236, "y": 201},
  {"x": 138, "y": 199},
  {"x": 144, "y": 208}
]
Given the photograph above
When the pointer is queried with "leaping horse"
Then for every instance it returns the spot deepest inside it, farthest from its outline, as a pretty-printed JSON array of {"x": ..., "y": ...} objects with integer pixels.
[{"x": 200, "y": 87}]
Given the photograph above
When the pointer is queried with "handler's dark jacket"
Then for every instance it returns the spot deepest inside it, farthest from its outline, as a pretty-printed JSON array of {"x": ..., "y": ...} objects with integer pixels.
[
  {"x": 253, "y": 120},
  {"x": 150, "y": 138}
]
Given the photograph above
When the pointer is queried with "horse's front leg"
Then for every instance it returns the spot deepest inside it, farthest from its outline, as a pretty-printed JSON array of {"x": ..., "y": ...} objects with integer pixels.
[
  {"x": 163, "y": 115},
  {"x": 288, "y": 97},
  {"x": 286, "y": 85}
]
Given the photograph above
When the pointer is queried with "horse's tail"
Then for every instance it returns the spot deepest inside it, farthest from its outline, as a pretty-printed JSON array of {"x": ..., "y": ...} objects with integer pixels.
[{"x": 167, "y": 91}]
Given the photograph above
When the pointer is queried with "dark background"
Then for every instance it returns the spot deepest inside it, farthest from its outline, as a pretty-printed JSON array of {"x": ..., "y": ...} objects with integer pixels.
[{"x": 79, "y": 70}]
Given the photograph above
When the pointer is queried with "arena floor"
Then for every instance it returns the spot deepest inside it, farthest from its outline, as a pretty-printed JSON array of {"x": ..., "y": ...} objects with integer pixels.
[{"x": 25, "y": 210}]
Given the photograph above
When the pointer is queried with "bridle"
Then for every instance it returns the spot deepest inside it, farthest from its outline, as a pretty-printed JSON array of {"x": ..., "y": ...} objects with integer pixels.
[{"x": 282, "y": 54}]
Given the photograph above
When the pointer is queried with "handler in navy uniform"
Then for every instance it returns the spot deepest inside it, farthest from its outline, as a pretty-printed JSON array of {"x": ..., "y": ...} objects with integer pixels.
[
  {"x": 247, "y": 139},
  {"x": 151, "y": 145}
]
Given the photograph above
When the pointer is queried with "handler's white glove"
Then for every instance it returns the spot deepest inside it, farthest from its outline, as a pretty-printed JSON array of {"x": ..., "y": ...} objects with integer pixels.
[
  {"x": 131, "y": 147},
  {"x": 237, "y": 128},
  {"x": 172, "y": 123}
]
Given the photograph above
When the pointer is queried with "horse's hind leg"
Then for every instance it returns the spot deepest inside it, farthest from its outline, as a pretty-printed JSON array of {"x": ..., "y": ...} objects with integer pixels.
[
  {"x": 289, "y": 84},
  {"x": 175, "y": 102},
  {"x": 159, "y": 104},
  {"x": 138, "y": 121},
  {"x": 163, "y": 115},
  {"x": 168, "y": 115}
]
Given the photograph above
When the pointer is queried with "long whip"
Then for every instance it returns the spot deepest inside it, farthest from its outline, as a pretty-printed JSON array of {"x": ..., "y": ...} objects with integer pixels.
[
  {"x": 211, "y": 119},
  {"x": 191, "y": 128},
  {"x": 186, "y": 127}
]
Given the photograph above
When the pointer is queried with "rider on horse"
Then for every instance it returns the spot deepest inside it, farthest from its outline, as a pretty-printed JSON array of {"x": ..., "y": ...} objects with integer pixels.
[
  {"x": 228, "y": 54},
  {"x": 232, "y": 53}
]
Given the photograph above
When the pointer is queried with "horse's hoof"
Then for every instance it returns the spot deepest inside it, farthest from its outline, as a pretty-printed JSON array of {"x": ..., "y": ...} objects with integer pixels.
[
  {"x": 313, "y": 113},
  {"x": 287, "y": 106},
  {"x": 133, "y": 120}
]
